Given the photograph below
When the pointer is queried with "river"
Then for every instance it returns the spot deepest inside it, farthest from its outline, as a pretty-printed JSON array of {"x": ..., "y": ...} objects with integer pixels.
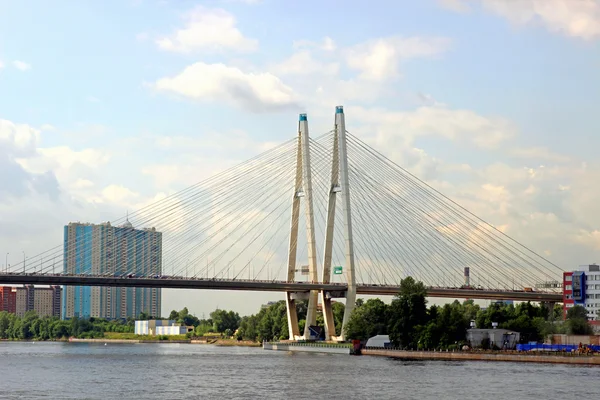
[{"x": 180, "y": 371}]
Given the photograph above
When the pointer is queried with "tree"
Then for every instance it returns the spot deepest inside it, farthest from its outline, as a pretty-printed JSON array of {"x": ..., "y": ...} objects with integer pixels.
[
  {"x": 577, "y": 323},
  {"x": 367, "y": 320},
  {"x": 248, "y": 328},
  {"x": 224, "y": 320},
  {"x": 408, "y": 314},
  {"x": 338, "y": 316}
]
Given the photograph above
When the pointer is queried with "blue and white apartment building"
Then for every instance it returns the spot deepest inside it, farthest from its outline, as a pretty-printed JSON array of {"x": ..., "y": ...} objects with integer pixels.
[{"x": 103, "y": 249}]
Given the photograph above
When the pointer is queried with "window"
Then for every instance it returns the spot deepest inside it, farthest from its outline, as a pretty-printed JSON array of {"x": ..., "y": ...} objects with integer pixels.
[
  {"x": 568, "y": 287},
  {"x": 568, "y": 278}
]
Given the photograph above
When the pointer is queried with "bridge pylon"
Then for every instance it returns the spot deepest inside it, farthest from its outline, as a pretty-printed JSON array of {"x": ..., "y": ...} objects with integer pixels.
[
  {"x": 302, "y": 189},
  {"x": 339, "y": 186}
]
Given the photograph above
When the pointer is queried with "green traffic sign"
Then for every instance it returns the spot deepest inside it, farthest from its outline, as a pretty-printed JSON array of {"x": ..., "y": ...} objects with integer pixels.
[{"x": 337, "y": 270}]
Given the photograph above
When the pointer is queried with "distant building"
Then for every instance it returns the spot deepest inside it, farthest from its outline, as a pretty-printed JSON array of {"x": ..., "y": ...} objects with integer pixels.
[
  {"x": 111, "y": 251},
  {"x": 8, "y": 299},
  {"x": 45, "y": 301},
  {"x": 500, "y": 338},
  {"x": 269, "y": 304},
  {"x": 582, "y": 287},
  {"x": 160, "y": 327},
  {"x": 502, "y": 302}
]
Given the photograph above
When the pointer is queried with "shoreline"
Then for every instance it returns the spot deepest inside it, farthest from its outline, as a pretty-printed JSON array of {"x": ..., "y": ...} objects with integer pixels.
[
  {"x": 460, "y": 356},
  {"x": 219, "y": 342}
]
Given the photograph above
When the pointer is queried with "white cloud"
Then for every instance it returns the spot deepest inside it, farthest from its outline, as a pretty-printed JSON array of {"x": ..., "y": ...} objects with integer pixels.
[
  {"x": 119, "y": 194},
  {"x": 141, "y": 37},
  {"x": 23, "y": 66},
  {"x": 65, "y": 158},
  {"x": 73, "y": 169},
  {"x": 539, "y": 153},
  {"x": 333, "y": 79},
  {"x": 455, "y": 5},
  {"x": 251, "y": 2},
  {"x": 403, "y": 126},
  {"x": 197, "y": 158},
  {"x": 255, "y": 92},
  {"x": 207, "y": 30},
  {"x": 22, "y": 138},
  {"x": 576, "y": 18},
  {"x": 327, "y": 44},
  {"x": 379, "y": 59},
  {"x": 302, "y": 63}
]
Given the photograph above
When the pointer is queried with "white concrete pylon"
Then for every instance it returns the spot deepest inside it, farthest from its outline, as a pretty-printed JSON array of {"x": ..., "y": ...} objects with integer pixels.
[
  {"x": 292, "y": 313},
  {"x": 340, "y": 127},
  {"x": 328, "y": 247},
  {"x": 302, "y": 188}
]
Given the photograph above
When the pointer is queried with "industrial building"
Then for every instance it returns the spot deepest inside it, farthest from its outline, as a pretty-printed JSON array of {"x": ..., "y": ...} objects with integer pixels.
[
  {"x": 161, "y": 327},
  {"x": 45, "y": 301},
  {"x": 582, "y": 287},
  {"x": 499, "y": 338},
  {"x": 104, "y": 249}
]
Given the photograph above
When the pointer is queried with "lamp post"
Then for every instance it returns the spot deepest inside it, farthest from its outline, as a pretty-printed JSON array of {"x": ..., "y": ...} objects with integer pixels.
[{"x": 6, "y": 261}]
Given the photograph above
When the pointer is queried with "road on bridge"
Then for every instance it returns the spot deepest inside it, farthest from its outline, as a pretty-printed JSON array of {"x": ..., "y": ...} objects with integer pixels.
[{"x": 267, "y": 286}]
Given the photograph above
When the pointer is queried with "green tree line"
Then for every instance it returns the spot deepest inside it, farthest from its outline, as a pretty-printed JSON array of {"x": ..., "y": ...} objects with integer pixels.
[
  {"x": 411, "y": 324},
  {"x": 32, "y": 327},
  {"x": 407, "y": 320}
]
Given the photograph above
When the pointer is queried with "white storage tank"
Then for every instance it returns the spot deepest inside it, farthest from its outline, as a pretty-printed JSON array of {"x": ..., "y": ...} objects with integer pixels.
[{"x": 379, "y": 341}]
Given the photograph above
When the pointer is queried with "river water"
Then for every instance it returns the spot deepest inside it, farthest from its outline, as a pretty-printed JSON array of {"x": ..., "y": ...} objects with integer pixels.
[{"x": 181, "y": 371}]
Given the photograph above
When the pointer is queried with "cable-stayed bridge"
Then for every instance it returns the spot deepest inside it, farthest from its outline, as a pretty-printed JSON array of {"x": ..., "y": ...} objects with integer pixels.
[{"x": 326, "y": 217}]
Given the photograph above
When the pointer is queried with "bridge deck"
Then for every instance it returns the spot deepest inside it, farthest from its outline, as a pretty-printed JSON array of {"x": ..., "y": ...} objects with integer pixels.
[{"x": 267, "y": 286}]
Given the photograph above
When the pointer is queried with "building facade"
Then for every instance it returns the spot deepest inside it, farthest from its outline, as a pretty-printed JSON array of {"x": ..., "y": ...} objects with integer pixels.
[
  {"x": 161, "y": 327},
  {"x": 45, "y": 301},
  {"x": 582, "y": 287},
  {"x": 8, "y": 299},
  {"x": 111, "y": 251}
]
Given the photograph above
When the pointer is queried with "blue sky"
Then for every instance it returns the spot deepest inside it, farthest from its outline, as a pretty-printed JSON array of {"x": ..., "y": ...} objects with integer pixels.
[{"x": 493, "y": 102}]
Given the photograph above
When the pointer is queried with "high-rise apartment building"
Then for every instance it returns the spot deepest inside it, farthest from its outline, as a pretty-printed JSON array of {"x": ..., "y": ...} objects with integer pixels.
[
  {"x": 45, "y": 301},
  {"x": 111, "y": 251},
  {"x": 8, "y": 299}
]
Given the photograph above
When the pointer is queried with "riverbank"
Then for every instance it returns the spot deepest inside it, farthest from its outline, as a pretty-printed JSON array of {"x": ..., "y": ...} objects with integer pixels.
[
  {"x": 468, "y": 356},
  {"x": 328, "y": 348},
  {"x": 218, "y": 342}
]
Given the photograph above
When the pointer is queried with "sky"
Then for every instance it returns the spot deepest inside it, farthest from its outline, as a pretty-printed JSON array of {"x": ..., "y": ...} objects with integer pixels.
[{"x": 492, "y": 102}]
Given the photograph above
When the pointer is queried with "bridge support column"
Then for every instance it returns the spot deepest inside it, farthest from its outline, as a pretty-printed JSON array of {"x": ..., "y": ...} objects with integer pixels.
[
  {"x": 340, "y": 127},
  {"x": 302, "y": 188},
  {"x": 292, "y": 317},
  {"x": 339, "y": 184},
  {"x": 328, "y": 247}
]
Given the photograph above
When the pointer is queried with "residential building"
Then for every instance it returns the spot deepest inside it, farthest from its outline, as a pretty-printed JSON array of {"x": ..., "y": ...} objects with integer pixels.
[
  {"x": 8, "y": 299},
  {"x": 582, "y": 287},
  {"x": 103, "y": 249},
  {"x": 45, "y": 301},
  {"x": 24, "y": 299}
]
